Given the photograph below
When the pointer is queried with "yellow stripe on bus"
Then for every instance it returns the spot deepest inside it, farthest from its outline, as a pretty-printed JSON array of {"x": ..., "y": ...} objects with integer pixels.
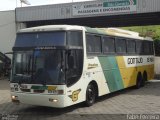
[{"x": 129, "y": 74}]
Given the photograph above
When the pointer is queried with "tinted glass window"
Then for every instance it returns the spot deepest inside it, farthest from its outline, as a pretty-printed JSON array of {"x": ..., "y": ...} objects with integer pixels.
[
  {"x": 93, "y": 43},
  {"x": 151, "y": 48},
  {"x": 40, "y": 39},
  {"x": 108, "y": 45},
  {"x": 74, "y": 66},
  {"x": 75, "y": 38},
  {"x": 131, "y": 46},
  {"x": 146, "y": 47},
  {"x": 120, "y": 45},
  {"x": 89, "y": 44},
  {"x": 139, "y": 47},
  {"x": 39, "y": 67}
]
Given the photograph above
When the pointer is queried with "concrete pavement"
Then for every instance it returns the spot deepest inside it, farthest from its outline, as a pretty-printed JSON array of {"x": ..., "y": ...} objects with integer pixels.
[{"x": 145, "y": 100}]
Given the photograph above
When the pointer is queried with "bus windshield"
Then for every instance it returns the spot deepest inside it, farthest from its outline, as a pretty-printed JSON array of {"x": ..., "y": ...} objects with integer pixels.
[
  {"x": 37, "y": 39},
  {"x": 53, "y": 58},
  {"x": 39, "y": 67}
]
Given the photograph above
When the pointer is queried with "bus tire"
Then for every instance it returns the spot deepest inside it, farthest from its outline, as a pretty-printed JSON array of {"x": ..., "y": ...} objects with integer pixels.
[
  {"x": 144, "y": 78},
  {"x": 90, "y": 95},
  {"x": 139, "y": 80}
]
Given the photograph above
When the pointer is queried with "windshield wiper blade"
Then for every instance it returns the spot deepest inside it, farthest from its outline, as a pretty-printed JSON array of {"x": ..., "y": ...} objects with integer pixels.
[
  {"x": 19, "y": 80},
  {"x": 23, "y": 78}
]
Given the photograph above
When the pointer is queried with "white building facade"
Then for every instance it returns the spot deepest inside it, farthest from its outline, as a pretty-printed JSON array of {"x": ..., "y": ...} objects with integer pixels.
[{"x": 7, "y": 31}]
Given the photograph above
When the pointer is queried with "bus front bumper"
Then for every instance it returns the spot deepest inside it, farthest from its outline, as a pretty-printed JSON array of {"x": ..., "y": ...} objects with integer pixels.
[{"x": 56, "y": 101}]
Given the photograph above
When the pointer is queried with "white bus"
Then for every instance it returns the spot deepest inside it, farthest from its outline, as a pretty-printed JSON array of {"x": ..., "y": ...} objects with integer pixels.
[{"x": 62, "y": 65}]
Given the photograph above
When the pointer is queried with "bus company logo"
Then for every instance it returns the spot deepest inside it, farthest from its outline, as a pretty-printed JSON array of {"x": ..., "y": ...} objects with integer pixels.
[
  {"x": 74, "y": 95},
  {"x": 91, "y": 66}
]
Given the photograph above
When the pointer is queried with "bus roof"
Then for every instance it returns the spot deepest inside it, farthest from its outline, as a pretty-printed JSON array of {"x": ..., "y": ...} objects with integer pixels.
[
  {"x": 51, "y": 28},
  {"x": 105, "y": 31}
]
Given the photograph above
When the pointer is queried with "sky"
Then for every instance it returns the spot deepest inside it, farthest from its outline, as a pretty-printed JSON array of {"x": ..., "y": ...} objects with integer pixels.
[{"x": 11, "y": 4}]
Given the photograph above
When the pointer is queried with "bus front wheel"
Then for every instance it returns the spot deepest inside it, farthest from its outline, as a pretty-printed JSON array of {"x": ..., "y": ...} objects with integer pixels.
[{"x": 90, "y": 95}]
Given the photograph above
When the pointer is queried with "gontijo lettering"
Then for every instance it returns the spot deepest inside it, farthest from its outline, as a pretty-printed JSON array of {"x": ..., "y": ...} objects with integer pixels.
[{"x": 135, "y": 60}]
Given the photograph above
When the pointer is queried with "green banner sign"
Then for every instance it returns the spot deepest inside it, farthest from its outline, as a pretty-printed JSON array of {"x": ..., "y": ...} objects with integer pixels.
[{"x": 119, "y": 3}]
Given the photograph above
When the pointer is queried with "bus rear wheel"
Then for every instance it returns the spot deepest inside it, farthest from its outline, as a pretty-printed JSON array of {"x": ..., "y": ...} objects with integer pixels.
[
  {"x": 139, "y": 81},
  {"x": 90, "y": 95},
  {"x": 145, "y": 78}
]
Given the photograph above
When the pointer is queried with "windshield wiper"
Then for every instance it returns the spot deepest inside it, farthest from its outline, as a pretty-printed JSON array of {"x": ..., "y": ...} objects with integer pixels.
[
  {"x": 19, "y": 80},
  {"x": 23, "y": 78}
]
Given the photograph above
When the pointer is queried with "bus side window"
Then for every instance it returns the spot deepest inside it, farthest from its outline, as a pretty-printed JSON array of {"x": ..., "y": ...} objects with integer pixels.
[
  {"x": 71, "y": 61},
  {"x": 151, "y": 48},
  {"x": 93, "y": 43},
  {"x": 74, "y": 66},
  {"x": 120, "y": 45},
  {"x": 89, "y": 48},
  {"x": 89, "y": 43},
  {"x": 74, "y": 38},
  {"x": 108, "y": 45},
  {"x": 146, "y": 47},
  {"x": 139, "y": 47},
  {"x": 131, "y": 46},
  {"x": 98, "y": 44}
]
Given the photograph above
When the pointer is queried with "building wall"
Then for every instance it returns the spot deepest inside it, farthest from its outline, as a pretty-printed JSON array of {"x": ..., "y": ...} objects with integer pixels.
[{"x": 7, "y": 30}]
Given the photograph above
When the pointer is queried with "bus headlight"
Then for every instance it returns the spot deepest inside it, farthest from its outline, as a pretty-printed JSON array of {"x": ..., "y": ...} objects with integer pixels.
[
  {"x": 53, "y": 100},
  {"x": 14, "y": 97}
]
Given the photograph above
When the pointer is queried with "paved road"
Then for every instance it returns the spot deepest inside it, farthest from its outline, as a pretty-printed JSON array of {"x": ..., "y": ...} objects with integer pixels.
[{"x": 114, "y": 106}]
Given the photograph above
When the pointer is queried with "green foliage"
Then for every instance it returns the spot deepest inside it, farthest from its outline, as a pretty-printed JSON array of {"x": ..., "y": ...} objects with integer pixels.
[{"x": 150, "y": 31}]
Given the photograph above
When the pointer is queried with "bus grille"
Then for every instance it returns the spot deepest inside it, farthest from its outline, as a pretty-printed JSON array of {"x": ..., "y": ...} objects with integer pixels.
[{"x": 39, "y": 91}]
